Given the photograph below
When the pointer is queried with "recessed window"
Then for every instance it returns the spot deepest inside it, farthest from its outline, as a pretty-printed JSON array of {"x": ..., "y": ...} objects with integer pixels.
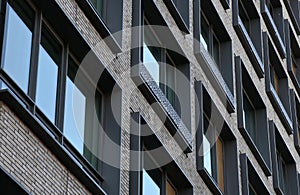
[
  {"x": 273, "y": 16},
  {"x": 214, "y": 50},
  {"x": 98, "y": 5},
  {"x": 252, "y": 117},
  {"x": 18, "y": 42},
  {"x": 277, "y": 85},
  {"x": 246, "y": 22},
  {"x": 154, "y": 175},
  {"x": 251, "y": 181},
  {"x": 216, "y": 146},
  {"x": 284, "y": 166},
  {"x": 293, "y": 9},
  {"x": 50, "y": 56}
]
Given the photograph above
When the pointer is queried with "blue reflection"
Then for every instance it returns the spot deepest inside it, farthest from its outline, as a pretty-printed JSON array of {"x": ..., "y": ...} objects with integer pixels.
[
  {"x": 46, "y": 84},
  {"x": 151, "y": 63},
  {"x": 149, "y": 186},
  {"x": 17, "y": 48},
  {"x": 74, "y": 119}
]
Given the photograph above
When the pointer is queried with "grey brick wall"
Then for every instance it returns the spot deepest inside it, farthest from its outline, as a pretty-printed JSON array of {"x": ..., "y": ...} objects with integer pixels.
[{"x": 24, "y": 156}]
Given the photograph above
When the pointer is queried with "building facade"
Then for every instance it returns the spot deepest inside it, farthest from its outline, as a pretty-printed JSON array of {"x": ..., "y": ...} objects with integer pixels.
[{"x": 174, "y": 97}]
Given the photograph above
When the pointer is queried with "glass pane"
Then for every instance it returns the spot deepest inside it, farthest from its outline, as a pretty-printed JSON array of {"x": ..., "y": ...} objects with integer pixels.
[
  {"x": 244, "y": 17},
  {"x": 251, "y": 190},
  {"x": 17, "y": 43},
  {"x": 170, "y": 189},
  {"x": 170, "y": 82},
  {"x": 150, "y": 61},
  {"x": 98, "y": 5},
  {"x": 49, "y": 60},
  {"x": 204, "y": 37},
  {"x": 81, "y": 124},
  {"x": 249, "y": 117},
  {"x": 149, "y": 186},
  {"x": 216, "y": 50}
]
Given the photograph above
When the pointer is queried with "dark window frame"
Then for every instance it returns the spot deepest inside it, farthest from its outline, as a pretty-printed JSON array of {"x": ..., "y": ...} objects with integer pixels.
[
  {"x": 280, "y": 99},
  {"x": 259, "y": 146},
  {"x": 292, "y": 48},
  {"x": 293, "y": 9},
  {"x": 274, "y": 20},
  {"x": 143, "y": 137},
  {"x": 231, "y": 186},
  {"x": 278, "y": 144},
  {"x": 249, "y": 177},
  {"x": 106, "y": 24},
  {"x": 51, "y": 134},
  {"x": 296, "y": 119},
  {"x": 221, "y": 76},
  {"x": 179, "y": 125},
  {"x": 252, "y": 42},
  {"x": 180, "y": 12}
]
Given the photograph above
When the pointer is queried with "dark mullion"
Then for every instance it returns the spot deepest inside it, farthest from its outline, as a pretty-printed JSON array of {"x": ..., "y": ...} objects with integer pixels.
[
  {"x": 163, "y": 71},
  {"x": 61, "y": 88},
  {"x": 2, "y": 27},
  {"x": 34, "y": 57}
]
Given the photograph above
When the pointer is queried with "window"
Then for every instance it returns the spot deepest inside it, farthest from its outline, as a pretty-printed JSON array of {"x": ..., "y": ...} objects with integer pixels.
[
  {"x": 42, "y": 79},
  {"x": 246, "y": 22},
  {"x": 251, "y": 181},
  {"x": 50, "y": 56},
  {"x": 293, "y": 9},
  {"x": 214, "y": 50},
  {"x": 215, "y": 145},
  {"x": 296, "y": 119},
  {"x": 150, "y": 173},
  {"x": 107, "y": 17},
  {"x": 17, "y": 42},
  {"x": 252, "y": 117},
  {"x": 163, "y": 74},
  {"x": 180, "y": 12},
  {"x": 277, "y": 85},
  {"x": 285, "y": 175},
  {"x": 273, "y": 16},
  {"x": 293, "y": 56}
]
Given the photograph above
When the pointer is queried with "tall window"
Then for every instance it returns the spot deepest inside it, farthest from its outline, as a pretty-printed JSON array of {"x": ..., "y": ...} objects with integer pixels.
[
  {"x": 82, "y": 115},
  {"x": 17, "y": 42},
  {"x": 244, "y": 17},
  {"x": 282, "y": 172},
  {"x": 209, "y": 40},
  {"x": 98, "y": 5},
  {"x": 50, "y": 56},
  {"x": 159, "y": 64},
  {"x": 213, "y": 153},
  {"x": 274, "y": 78}
]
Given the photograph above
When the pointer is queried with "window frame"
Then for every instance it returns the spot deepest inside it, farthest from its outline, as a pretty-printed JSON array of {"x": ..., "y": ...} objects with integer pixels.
[
  {"x": 180, "y": 15},
  {"x": 280, "y": 100},
  {"x": 293, "y": 9},
  {"x": 250, "y": 177},
  {"x": 260, "y": 146},
  {"x": 278, "y": 144},
  {"x": 220, "y": 77},
  {"x": 111, "y": 34},
  {"x": 292, "y": 48},
  {"x": 175, "y": 123},
  {"x": 230, "y": 159},
  {"x": 143, "y": 137},
  {"x": 252, "y": 42},
  {"x": 275, "y": 25},
  {"x": 296, "y": 119}
]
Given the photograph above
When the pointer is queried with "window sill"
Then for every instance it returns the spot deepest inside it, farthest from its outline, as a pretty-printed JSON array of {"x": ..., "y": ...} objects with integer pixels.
[
  {"x": 255, "y": 151},
  {"x": 177, "y": 16},
  {"x": 81, "y": 172},
  {"x": 100, "y": 26},
  {"x": 215, "y": 76},
  {"x": 279, "y": 108},
  {"x": 210, "y": 182},
  {"x": 249, "y": 47},
  {"x": 274, "y": 32},
  {"x": 165, "y": 111}
]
